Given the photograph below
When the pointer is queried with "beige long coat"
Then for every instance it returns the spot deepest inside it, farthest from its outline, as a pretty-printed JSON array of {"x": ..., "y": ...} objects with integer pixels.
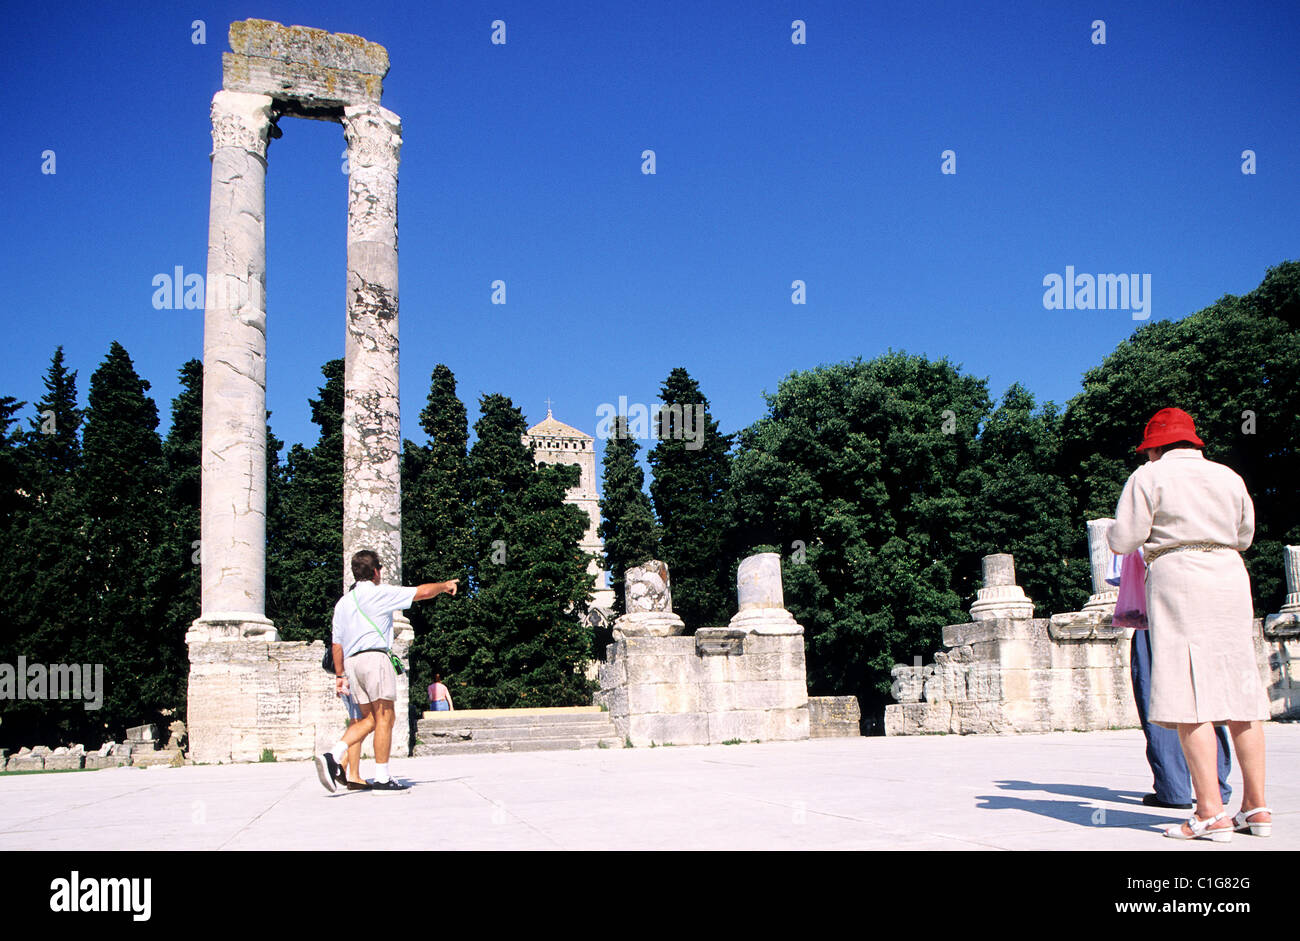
[{"x": 1199, "y": 608}]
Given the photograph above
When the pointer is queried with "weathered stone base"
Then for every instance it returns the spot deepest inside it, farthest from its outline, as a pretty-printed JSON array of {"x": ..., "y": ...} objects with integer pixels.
[
  {"x": 834, "y": 717},
  {"x": 1009, "y": 675},
  {"x": 249, "y": 695},
  {"x": 1067, "y": 674},
  {"x": 670, "y": 690},
  {"x": 1277, "y": 649}
]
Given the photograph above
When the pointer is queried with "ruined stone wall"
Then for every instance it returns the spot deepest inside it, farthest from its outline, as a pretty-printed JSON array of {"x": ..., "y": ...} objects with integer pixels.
[
  {"x": 1021, "y": 675},
  {"x": 686, "y": 691},
  {"x": 1012, "y": 675}
]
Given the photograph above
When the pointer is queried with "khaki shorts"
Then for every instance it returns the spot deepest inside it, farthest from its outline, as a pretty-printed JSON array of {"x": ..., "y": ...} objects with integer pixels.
[{"x": 370, "y": 676}]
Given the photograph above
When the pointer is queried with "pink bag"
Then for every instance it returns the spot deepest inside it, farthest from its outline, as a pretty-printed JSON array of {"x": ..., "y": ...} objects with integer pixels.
[{"x": 1131, "y": 608}]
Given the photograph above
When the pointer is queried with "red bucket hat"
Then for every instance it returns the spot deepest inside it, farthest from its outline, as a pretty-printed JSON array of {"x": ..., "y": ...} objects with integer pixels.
[{"x": 1167, "y": 426}]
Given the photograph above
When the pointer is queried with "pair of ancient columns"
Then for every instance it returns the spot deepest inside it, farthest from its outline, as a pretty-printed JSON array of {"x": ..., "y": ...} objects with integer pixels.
[{"x": 233, "y": 513}]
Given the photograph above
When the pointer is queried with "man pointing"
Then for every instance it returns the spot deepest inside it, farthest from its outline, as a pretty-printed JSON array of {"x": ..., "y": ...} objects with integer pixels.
[{"x": 362, "y": 642}]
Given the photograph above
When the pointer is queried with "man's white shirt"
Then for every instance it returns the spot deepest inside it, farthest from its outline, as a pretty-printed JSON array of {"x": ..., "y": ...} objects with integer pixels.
[{"x": 353, "y": 632}]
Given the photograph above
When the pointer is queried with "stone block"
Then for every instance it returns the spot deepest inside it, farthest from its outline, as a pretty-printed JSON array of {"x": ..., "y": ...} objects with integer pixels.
[
  {"x": 162, "y": 758},
  {"x": 1027, "y": 716},
  {"x": 747, "y": 725},
  {"x": 937, "y": 718},
  {"x": 771, "y": 694},
  {"x": 288, "y": 744},
  {"x": 979, "y": 718},
  {"x": 646, "y": 666},
  {"x": 66, "y": 761},
  {"x": 1025, "y": 685},
  {"x": 918, "y": 718},
  {"x": 719, "y": 642},
  {"x": 667, "y": 698},
  {"x": 29, "y": 762},
  {"x": 615, "y": 700},
  {"x": 683, "y": 729},
  {"x": 834, "y": 717},
  {"x": 97, "y": 761},
  {"x": 908, "y": 685},
  {"x": 786, "y": 725},
  {"x": 984, "y": 682},
  {"x": 613, "y": 672}
]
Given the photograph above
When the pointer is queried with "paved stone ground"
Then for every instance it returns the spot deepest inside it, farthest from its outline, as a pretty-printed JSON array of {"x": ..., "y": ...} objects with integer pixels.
[{"x": 1070, "y": 791}]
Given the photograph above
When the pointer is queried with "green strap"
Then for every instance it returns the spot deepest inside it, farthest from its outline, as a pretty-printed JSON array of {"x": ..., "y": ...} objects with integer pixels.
[{"x": 387, "y": 648}]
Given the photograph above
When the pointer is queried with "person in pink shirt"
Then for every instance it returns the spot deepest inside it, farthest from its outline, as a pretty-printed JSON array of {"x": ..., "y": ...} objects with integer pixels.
[{"x": 439, "y": 696}]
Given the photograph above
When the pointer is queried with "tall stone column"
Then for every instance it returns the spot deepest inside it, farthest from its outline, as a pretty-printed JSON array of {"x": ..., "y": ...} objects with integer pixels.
[
  {"x": 233, "y": 503},
  {"x": 1291, "y": 557},
  {"x": 372, "y": 439}
]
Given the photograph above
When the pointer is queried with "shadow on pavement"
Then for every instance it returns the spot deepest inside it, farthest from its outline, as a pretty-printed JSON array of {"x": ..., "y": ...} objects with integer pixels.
[
  {"x": 1076, "y": 811},
  {"x": 1076, "y": 790}
]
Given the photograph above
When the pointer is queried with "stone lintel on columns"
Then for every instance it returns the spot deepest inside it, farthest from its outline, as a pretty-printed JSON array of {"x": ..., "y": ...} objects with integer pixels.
[{"x": 310, "y": 72}]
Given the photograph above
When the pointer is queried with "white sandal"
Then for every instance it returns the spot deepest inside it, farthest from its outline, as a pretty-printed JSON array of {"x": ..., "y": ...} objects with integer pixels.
[
  {"x": 1201, "y": 829},
  {"x": 1240, "y": 822}
]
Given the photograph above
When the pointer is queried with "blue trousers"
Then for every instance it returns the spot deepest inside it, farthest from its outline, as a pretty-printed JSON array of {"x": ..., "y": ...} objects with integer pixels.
[{"x": 1173, "y": 782}]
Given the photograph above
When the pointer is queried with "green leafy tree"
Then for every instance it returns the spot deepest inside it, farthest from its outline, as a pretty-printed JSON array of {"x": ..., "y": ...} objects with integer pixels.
[
  {"x": 627, "y": 525},
  {"x": 690, "y": 466},
  {"x": 1020, "y": 505},
  {"x": 854, "y": 472},
  {"x": 1235, "y": 367}
]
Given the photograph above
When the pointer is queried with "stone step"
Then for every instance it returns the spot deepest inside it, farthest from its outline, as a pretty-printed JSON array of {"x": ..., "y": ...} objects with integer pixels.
[
  {"x": 559, "y": 713},
  {"x": 460, "y": 720},
  {"x": 541, "y": 744},
  {"x": 521, "y": 732}
]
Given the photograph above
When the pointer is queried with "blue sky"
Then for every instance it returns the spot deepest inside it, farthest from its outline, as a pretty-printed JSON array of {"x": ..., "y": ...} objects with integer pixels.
[{"x": 775, "y": 162}]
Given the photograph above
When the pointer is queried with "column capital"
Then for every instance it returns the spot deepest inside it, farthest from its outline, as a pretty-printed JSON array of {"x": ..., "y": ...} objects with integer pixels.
[
  {"x": 374, "y": 136},
  {"x": 241, "y": 120}
]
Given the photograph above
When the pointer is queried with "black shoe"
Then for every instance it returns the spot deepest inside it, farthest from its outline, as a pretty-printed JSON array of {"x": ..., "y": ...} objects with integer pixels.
[
  {"x": 389, "y": 785},
  {"x": 325, "y": 768},
  {"x": 340, "y": 772},
  {"x": 1152, "y": 801},
  {"x": 354, "y": 786}
]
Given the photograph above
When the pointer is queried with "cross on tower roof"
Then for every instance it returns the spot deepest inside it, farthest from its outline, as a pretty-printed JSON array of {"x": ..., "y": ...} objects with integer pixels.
[{"x": 548, "y": 406}]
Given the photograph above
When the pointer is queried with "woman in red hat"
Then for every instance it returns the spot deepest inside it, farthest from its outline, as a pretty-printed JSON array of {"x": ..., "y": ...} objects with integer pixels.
[{"x": 1192, "y": 518}]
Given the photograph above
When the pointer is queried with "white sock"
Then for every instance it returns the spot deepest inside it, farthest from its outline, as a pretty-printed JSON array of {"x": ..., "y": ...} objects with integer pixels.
[
  {"x": 339, "y": 751},
  {"x": 381, "y": 772}
]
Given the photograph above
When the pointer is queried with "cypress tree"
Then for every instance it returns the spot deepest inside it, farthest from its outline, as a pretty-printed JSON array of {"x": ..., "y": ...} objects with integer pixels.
[
  {"x": 182, "y": 456},
  {"x": 120, "y": 486},
  {"x": 436, "y": 540},
  {"x": 305, "y": 535},
  {"x": 52, "y": 444},
  {"x": 690, "y": 466},
  {"x": 12, "y": 458},
  {"x": 627, "y": 524},
  {"x": 524, "y": 642}
]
